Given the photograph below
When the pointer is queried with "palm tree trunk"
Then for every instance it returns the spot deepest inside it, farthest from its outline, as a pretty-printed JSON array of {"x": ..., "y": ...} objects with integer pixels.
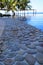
[
  {"x": 13, "y": 14},
  {"x": 24, "y": 13}
]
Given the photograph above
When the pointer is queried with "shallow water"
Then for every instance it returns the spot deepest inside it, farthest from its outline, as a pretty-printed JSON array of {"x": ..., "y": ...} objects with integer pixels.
[
  {"x": 36, "y": 21},
  {"x": 16, "y": 36},
  {"x": 2, "y": 25}
]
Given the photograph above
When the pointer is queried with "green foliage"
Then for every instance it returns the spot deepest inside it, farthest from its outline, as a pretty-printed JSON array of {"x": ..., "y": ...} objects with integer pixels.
[
  {"x": 15, "y": 4},
  {"x": 23, "y": 4},
  {"x": 2, "y": 4},
  {"x": 10, "y": 5}
]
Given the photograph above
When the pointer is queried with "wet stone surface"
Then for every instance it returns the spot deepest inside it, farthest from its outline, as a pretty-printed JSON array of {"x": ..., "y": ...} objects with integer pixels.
[
  {"x": 1, "y": 63},
  {"x": 20, "y": 43}
]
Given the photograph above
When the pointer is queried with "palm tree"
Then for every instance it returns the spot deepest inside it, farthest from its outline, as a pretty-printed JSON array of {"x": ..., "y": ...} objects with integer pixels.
[
  {"x": 2, "y": 5},
  {"x": 23, "y": 5},
  {"x": 15, "y": 4},
  {"x": 8, "y": 4},
  {"x": 11, "y": 5}
]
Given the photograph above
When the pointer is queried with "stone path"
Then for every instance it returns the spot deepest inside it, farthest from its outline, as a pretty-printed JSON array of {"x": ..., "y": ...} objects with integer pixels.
[{"x": 22, "y": 44}]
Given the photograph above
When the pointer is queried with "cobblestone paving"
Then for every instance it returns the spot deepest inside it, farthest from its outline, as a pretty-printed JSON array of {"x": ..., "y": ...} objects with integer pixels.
[{"x": 20, "y": 44}]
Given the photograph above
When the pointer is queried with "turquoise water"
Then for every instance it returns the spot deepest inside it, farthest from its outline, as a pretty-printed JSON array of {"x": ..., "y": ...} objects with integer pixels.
[{"x": 36, "y": 21}]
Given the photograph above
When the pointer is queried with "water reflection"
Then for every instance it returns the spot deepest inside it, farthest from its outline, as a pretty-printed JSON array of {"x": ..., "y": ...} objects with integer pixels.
[
  {"x": 24, "y": 18},
  {"x": 2, "y": 26}
]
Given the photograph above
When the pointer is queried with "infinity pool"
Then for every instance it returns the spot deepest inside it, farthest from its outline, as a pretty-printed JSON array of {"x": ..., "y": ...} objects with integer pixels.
[{"x": 36, "y": 21}]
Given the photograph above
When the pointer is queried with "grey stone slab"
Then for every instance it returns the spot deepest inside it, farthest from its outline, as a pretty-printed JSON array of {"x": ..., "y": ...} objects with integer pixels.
[
  {"x": 1, "y": 63},
  {"x": 32, "y": 46},
  {"x": 21, "y": 52},
  {"x": 39, "y": 57},
  {"x": 11, "y": 54},
  {"x": 30, "y": 59},
  {"x": 37, "y": 63},
  {"x": 36, "y": 43},
  {"x": 2, "y": 57},
  {"x": 31, "y": 51},
  {"x": 19, "y": 57},
  {"x": 9, "y": 61},
  {"x": 21, "y": 63},
  {"x": 23, "y": 46},
  {"x": 39, "y": 49},
  {"x": 16, "y": 47},
  {"x": 27, "y": 42}
]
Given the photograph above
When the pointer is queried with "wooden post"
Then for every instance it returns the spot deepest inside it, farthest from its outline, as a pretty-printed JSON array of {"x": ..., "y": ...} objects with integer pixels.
[{"x": 33, "y": 12}]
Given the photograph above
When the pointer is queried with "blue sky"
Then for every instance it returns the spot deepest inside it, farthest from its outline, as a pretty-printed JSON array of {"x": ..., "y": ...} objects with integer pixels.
[{"x": 37, "y": 4}]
